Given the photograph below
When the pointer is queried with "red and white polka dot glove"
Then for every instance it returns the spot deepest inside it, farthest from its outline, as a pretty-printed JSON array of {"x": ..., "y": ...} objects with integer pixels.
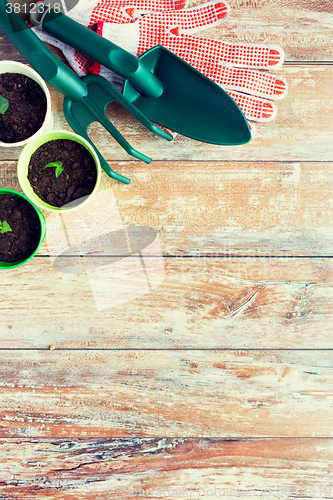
[{"x": 236, "y": 67}]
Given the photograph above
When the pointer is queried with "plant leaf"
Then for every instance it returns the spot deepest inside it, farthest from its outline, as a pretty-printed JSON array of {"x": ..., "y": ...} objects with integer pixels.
[
  {"x": 57, "y": 165},
  {"x": 59, "y": 170},
  {"x": 5, "y": 227},
  {"x": 54, "y": 164},
  {"x": 4, "y": 105}
]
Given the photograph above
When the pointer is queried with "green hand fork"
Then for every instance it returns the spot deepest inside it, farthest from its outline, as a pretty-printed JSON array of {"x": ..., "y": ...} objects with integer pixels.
[{"x": 85, "y": 98}]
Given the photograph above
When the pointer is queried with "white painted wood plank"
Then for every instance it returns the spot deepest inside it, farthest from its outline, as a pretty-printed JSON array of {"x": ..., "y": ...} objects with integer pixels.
[
  {"x": 166, "y": 393},
  {"x": 201, "y": 303}
]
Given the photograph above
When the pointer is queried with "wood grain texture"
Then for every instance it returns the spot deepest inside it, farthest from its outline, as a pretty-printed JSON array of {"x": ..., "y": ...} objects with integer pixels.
[
  {"x": 202, "y": 303},
  {"x": 166, "y": 393},
  {"x": 100, "y": 469},
  {"x": 220, "y": 208},
  {"x": 223, "y": 208},
  {"x": 302, "y": 27},
  {"x": 119, "y": 408},
  {"x": 207, "y": 210}
]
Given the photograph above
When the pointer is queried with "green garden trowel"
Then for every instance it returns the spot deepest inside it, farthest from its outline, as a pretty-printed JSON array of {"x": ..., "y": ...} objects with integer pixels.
[
  {"x": 159, "y": 87},
  {"x": 166, "y": 89}
]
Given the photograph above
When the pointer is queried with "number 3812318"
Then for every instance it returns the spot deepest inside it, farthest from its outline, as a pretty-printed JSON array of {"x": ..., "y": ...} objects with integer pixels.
[{"x": 31, "y": 7}]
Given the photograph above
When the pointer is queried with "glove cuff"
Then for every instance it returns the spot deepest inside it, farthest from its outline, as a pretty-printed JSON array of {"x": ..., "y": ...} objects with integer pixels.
[
  {"x": 124, "y": 35},
  {"x": 82, "y": 11}
]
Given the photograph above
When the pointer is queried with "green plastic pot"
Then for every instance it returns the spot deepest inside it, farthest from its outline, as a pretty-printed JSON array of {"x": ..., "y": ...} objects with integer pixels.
[
  {"x": 11, "y": 265},
  {"x": 24, "y": 160}
]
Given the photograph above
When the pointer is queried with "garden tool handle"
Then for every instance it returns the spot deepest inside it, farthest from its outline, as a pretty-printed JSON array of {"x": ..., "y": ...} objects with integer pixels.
[
  {"x": 101, "y": 50},
  {"x": 50, "y": 68}
]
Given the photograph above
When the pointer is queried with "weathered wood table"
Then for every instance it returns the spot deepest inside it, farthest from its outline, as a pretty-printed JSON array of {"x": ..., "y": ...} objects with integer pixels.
[{"x": 215, "y": 377}]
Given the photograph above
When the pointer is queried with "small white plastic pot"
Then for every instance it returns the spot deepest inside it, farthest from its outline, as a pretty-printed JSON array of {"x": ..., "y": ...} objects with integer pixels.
[{"x": 23, "y": 69}]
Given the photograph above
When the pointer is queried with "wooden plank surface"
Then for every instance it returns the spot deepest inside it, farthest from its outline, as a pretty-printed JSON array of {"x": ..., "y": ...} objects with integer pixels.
[
  {"x": 199, "y": 304},
  {"x": 218, "y": 208},
  {"x": 121, "y": 406},
  {"x": 165, "y": 468},
  {"x": 232, "y": 208},
  {"x": 165, "y": 393},
  {"x": 213, "y": 219}
]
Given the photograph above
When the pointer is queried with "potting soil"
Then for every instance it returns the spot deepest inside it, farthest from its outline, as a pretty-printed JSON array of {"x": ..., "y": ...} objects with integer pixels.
[
  {"x": 19, "y": 243},
  {"x": 27, "y": 107},
  {"x": 77, "y": 180}
]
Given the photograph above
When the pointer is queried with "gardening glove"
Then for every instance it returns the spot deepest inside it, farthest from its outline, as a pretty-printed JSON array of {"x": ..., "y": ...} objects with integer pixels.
[
  {"x": 89, "y": 12},
  {"x": 233, "y": 66}
]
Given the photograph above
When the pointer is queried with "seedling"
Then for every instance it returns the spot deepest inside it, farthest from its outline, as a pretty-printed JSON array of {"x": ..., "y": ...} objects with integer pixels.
[
  {"x": 4, "y": 104},
  {"x": 58, "y": 167},
  {"x": 4, "y": 227}
]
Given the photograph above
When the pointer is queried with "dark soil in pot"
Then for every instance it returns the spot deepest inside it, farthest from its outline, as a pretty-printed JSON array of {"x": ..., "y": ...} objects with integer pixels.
[
  {"x": 27, "y": 107},
  {"x": 23, "y": 239},
  {"x": 77, "y": 179}
]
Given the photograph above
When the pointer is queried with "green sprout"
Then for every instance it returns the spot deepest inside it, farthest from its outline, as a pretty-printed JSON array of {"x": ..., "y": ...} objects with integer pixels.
[
  {"x": 58, "y": 167},
  {"x": 4, "y": 104},
  {"x": 4, "y": 227}
]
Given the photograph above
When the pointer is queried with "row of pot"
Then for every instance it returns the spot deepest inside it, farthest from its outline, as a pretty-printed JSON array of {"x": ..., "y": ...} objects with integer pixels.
[{"x": 56, "y": 169}]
